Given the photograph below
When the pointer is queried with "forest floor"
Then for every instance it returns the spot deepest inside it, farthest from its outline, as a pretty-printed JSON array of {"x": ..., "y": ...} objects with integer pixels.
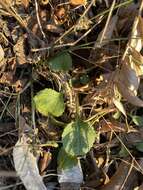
[{"x": 71, "y": 94}]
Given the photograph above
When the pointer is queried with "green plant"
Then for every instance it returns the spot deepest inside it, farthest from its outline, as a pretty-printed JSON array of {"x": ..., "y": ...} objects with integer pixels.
[{"x": 78, "y": 136}]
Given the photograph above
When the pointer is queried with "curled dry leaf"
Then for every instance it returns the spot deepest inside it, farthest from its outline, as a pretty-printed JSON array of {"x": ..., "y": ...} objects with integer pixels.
[
  {"x": 26, "y": 165},
  {"x": 129, "y": 96},
  {"x": 128, "y": 78},
  {"x": 128, "y": 82}
]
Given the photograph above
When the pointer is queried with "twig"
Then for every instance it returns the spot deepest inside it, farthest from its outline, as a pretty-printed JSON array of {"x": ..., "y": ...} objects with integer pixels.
[
  {"x": 38, "y": 19},
  {"x": 108, "y": 20},
  {"x": 133, "y": 158},
  {"x": 129, "y": 172}
]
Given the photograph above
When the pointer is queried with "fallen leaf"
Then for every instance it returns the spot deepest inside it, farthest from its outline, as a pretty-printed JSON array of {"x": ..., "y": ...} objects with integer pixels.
[
  {"x": 117, "y": 180},
  {"x": 129, "y": 96},
  {"x": 26, "y": 165},
  {"x": 107, "y": 126},
  {"x": 103, "y": 40},
  {"x": 129, "y": 77}
]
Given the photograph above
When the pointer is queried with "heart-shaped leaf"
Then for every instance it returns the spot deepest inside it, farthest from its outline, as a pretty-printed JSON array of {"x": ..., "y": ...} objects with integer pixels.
[
  {"x": 49, "y": 101},
  {"x": 78, "y": 137}
]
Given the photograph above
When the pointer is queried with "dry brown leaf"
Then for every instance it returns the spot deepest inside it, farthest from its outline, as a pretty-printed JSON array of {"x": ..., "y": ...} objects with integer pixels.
[
  {"x": 128, "y": 79},
  {"x": 108, "y": 33},
  {"x": 7, "y": 78},
  {"x": 44, "y": 161},
  {"x": 125, "y": 21},
  {"x": 128, "y": 76},
  {"x": 119, "y": 181},
  {"x": 108, "y": 126},
  {"x": 26, "y": 165},
  {"x": 19, "y": 51},
  {"x": 129, "y": 96}
]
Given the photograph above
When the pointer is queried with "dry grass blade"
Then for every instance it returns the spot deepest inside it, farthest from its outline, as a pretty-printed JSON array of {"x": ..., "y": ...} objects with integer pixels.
[{"x": 107, "y": 32}]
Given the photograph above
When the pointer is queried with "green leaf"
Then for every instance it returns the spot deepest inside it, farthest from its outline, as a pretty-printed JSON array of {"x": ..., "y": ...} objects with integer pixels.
[
  {"x": 139, "y": 146},
  {"x": 138, "y": 120},
  {"x": 66, "y": 161},
  {"x": 78, "y": 137},
  {"x": 49, "y": 101},
  {"x": 123, "y": 152},
  {"x": 61, "y": 62}
]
